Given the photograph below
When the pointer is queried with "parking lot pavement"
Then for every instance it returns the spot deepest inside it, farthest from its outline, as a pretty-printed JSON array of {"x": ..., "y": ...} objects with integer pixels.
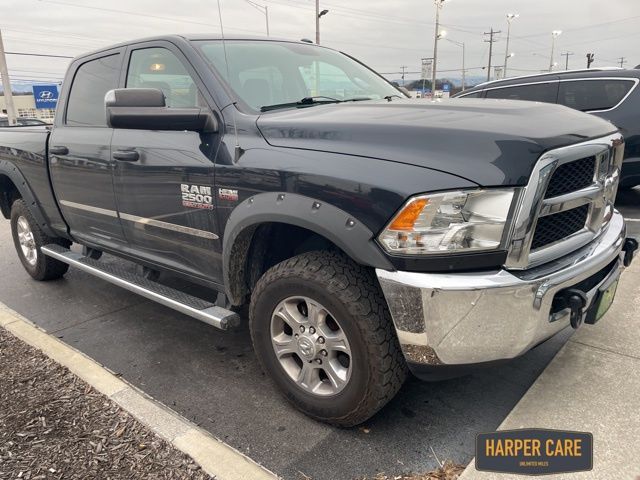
[{"x": 212, "y": 378}]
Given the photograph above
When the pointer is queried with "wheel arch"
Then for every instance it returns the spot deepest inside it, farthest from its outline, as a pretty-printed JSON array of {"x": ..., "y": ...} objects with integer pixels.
[
  {"x": 13, "y": 185},
  {"x": 254, "y": 223}
]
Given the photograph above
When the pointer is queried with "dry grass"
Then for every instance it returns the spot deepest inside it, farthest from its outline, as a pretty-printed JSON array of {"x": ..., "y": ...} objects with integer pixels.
[{"x": 448, "y": 471}]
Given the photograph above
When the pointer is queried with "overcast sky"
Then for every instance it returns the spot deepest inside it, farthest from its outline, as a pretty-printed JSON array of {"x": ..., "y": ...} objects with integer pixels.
[{"x": 385, "y": 34}]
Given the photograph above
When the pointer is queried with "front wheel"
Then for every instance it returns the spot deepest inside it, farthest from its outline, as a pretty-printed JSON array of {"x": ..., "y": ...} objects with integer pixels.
[
  {"x": 28, "y": 239},
  {"x": 321, "y": 328}
]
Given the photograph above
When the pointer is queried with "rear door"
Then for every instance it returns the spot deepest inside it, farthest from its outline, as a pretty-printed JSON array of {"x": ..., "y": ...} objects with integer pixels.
[
  {"x": 79, "y": 152},
  {"x": 166, "y": 196}
]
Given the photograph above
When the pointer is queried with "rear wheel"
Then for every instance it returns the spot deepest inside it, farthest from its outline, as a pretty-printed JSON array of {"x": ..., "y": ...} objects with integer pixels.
[
  {"x": 28, "y": 239},
  {"x": 321, "y": 329}
]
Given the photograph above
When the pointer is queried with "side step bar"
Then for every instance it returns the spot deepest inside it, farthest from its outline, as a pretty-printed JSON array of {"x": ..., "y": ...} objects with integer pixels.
[{"x": 197, "y": 308}]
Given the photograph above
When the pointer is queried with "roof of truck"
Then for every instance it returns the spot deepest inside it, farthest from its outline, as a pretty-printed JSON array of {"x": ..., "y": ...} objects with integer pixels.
[{"x": 193, "y": 37}]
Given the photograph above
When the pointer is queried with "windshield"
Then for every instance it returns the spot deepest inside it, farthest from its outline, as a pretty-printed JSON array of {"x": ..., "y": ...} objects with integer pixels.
[{"x": 264, "y": 73}]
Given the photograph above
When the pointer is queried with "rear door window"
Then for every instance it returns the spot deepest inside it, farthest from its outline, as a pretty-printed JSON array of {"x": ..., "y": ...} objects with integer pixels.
[
  {"x": 589, "y": 95},
  {"x": 472, "y": 95},
  {"x": 537, "y": 92},
  {"x": 91, "y": 83}
]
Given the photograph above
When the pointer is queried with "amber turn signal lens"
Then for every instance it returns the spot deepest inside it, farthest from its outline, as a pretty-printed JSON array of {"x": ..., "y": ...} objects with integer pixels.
[{"x": 408, "y": 216}]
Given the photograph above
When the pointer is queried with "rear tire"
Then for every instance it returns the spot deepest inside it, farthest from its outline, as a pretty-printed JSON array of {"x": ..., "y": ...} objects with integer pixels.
[
  {"x": 334, "y": 309},
  {"x": 28, "y": 239}
]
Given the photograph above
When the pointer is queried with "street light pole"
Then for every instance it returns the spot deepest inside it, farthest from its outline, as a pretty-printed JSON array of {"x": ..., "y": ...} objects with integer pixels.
[
  {"x": 510, "y": 18},
  {"x": 317, "y": 22},
  {"x": 554, "y": 35},
  {"x": 261, "y": 8},
  {"x": 318, "y": 15},
  {"x": 436, "y": 36}
]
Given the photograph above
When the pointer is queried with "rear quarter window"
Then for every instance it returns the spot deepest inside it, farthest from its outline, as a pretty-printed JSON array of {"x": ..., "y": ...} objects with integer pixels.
[
  {"x": 589, "y": 95},
  {"x": 537, "y": 92}
]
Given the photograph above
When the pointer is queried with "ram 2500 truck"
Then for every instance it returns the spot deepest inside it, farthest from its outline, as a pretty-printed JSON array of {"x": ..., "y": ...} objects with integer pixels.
[{"x": 369, "y": 233}]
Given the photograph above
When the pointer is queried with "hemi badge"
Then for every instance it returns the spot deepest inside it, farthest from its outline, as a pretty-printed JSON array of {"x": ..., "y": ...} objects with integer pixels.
[{"x": 228, "y": 194}]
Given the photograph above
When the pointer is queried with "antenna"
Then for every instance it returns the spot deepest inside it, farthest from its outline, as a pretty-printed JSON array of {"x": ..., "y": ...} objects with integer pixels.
[{"x": 238, "y": 150}]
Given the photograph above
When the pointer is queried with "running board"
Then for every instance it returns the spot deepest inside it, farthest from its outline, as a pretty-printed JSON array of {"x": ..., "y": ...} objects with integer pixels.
[{"x": 197, "y": 308}]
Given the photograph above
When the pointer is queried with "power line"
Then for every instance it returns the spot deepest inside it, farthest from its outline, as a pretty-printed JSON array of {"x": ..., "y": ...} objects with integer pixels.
[{"x": 37, "y": 55}]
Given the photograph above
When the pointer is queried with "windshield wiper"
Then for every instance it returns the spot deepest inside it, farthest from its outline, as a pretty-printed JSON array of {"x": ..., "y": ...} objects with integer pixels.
[
  {"x": 302, "y": 102},
  {"x": 388, "y": 98},
  {"x": 315, "y": 100}
]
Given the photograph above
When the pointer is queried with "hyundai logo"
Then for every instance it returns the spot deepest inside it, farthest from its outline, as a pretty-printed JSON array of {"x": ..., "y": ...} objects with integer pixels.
[{"x": 46, "y": 94}]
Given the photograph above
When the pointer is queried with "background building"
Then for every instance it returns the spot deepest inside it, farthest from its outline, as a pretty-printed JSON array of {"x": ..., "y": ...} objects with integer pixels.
[{"x": 26, "y": 108}]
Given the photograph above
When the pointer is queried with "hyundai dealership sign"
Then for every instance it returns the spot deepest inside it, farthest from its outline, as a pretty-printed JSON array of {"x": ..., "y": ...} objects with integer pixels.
[{"x": 46, "y": 96}]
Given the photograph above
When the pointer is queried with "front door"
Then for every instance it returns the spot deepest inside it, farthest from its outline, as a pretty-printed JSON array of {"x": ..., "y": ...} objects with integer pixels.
[
  {"x": 165, "y": 193},
  {"x": 80, "y": 156}
]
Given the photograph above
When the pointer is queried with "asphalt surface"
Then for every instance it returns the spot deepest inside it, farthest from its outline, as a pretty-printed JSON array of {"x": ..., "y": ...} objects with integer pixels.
[{"x": 212, "y": 378}]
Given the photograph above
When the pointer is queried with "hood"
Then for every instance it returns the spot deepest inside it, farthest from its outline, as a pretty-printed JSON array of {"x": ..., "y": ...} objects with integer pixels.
[{"x": 489, "y": 142}]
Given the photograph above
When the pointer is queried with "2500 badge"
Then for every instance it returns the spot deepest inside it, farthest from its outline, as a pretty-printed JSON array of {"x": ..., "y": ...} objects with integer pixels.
[{"x": 196, "y": 196}]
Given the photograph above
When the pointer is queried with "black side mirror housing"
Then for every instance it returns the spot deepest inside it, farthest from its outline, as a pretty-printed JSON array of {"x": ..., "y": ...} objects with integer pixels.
[{"x": 145, "y": 109}]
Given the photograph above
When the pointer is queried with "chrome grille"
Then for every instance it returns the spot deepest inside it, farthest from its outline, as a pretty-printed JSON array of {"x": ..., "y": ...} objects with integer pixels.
[
  {"x": 572, "y": 176},
  {"x": 553, "y": 228},
  {"x": 567, "y": 203}
]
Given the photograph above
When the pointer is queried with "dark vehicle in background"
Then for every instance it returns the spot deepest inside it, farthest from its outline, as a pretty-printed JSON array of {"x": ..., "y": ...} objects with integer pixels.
[
  {"x": 22, "y": 122},
  {"x": 368, "y": 233},
  {"x": 609, "y": 93}
]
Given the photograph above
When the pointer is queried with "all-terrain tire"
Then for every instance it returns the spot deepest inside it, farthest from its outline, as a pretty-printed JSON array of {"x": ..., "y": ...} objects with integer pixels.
[
  {"x": 352, "y": 294},
  {"x": 42, "y": 267}
]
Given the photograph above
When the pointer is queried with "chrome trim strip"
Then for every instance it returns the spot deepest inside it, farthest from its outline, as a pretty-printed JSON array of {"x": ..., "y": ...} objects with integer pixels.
[
  {"x": 570, "y": 200},
  {"x": 169, "y": 226},
  {"x": 142, "y": 220},
  {"x": 89, "y": 208}
]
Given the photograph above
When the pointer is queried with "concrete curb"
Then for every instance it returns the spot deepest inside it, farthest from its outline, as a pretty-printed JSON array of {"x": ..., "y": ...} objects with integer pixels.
[{"x": 214, "y": 456}]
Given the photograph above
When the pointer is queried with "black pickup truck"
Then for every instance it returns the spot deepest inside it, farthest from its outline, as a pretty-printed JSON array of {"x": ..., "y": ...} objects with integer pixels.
[{"x": 370, "y": 234}]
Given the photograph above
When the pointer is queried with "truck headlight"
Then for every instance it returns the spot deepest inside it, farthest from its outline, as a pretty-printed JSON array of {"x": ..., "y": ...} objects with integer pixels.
[{"x": 460, "y": 221}]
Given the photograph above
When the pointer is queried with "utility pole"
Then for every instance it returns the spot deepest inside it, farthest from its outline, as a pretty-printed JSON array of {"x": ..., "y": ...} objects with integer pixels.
[
  {"x": 589, "y": 59},
  {"x": 622, "y": 62},
  {"x": 566, "y": 56},
  {"x": 404, "y": 68},
  {"x": 436, "y": 37},
  {"x": 510, "y": 18},
  {"x": 490, "y": 41},
  {"x": 6, "y": 84}
]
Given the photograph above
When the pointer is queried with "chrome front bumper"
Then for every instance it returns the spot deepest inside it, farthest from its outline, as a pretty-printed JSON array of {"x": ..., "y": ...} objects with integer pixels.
[{"x": 455, "y": 319}]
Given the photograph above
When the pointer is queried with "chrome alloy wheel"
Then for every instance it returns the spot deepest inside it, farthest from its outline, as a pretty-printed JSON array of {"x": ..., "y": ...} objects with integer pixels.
[
  {"x": 311, "y": 346},
  {"x": 27, "y": 242}
]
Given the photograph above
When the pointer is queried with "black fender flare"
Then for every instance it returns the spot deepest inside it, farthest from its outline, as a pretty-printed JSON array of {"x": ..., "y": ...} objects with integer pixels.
[
  {"x": 15, "y": 175},
  {"x": 334, "y": 224}
]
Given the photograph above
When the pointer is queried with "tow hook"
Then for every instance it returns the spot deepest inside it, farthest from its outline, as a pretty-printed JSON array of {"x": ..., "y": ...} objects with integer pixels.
[
  {"x": 576, "y": 301},
  {"x": 630, "y": 248}
]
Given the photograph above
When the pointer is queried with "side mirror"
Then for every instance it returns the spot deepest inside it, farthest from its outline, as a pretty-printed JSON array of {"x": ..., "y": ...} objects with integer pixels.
[{"x": 145, "y": 109}]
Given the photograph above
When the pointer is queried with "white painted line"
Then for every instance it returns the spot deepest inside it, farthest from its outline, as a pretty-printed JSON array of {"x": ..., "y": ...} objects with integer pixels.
[
  {"x": 216, "y": 458},
  {"x": 632, "y": 219}
]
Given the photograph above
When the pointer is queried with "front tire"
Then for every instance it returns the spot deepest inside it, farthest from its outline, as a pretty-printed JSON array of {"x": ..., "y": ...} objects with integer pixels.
[
  {"x": 28, "y": 239},
  {"x": 321, "y": 328}
]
